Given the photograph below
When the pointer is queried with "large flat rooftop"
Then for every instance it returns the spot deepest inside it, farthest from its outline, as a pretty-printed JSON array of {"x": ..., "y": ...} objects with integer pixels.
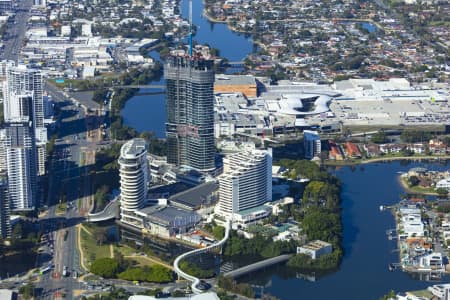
[{"x": 168, "y": 215}]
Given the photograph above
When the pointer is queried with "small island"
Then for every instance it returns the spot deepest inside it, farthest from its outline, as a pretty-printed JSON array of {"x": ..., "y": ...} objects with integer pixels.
[{"x": 425, "y": 182}]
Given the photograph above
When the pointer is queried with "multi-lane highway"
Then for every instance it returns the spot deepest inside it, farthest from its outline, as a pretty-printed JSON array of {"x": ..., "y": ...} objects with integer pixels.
[
  {"x": 16, "y": 31},
  {"x": 69, "y": 181}
]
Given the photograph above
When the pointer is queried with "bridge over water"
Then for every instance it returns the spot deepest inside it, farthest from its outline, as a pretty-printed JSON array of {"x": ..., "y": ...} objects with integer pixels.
[
  {"x": 258, "y": 265},
  {"x": 140, "y": 86}
]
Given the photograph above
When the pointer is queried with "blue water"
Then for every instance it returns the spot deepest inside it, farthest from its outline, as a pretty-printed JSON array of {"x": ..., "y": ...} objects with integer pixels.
[
  {"x": 364, "y": 271},
  {"x": 148, "y": 113},
  {"x": 369, "y": 26},
  {"x": 232, "y": 45}
]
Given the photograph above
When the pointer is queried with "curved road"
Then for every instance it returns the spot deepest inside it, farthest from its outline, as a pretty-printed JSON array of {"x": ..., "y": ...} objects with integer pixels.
[{"x": 195, "y": 281}]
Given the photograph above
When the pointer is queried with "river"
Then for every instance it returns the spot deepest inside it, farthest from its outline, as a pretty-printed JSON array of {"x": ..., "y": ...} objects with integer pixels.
[{"x": 364, "y": 271}]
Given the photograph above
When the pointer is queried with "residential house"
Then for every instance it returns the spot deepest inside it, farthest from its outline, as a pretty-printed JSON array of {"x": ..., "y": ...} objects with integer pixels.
[{"x": 352, "y": 150}]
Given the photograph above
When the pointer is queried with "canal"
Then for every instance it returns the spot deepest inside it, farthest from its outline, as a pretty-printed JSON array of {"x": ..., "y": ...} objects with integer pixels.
[{"x": 364, "y": 270}]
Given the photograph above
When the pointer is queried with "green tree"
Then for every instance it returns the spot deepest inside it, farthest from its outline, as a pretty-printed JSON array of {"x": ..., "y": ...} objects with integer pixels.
[
  {"x": 389, "y": 296},
  {"x": 105, "y": 267},
  {"x": 154, "y": 273},
  {"x": 194, "y": 270},
  {"x": 379, "y": 138},
  {"x": 100, "y": 95},
  {"x": 156, "y": 145},
  {"x": 320, "y": 224},
  {"x": 27, "y": 291},
  {"x": 442, "y": 192},
  {"x": 101, "y": 197},
  {"x": 218, "y": 232},
  {"x": 410, "y": 136},
  {"x": 413, "y": 180}
]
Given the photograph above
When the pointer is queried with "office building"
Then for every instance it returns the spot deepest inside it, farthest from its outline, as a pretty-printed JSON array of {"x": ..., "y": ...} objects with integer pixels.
[
  {"x": 166, "y": 221},
  {"x": 311, "y": 141},
  {"x": 21, "y": 165},
  {"x": 134, "y": 176},
  {"x": 5, "y": 222},
  {"x": 190, "y": 112},
  {"x": 40, "y": 3},
  {"x": 245, "y": 185},
  {"x": 6, "y": 6}
]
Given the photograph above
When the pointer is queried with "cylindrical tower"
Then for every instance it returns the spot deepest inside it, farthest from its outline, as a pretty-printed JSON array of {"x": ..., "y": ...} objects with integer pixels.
[{"x": 134, "y": 176}]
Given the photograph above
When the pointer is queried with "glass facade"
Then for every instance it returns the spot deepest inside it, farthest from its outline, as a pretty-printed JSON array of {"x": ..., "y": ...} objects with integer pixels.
[{"x": 190, "y": 112}]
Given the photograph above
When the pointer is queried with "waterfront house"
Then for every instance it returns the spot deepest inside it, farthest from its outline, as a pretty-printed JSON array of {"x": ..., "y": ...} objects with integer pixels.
[
  {"x": 437, "y": 147},
  {"x": 391, "y": 148},
  {"x": 441, "y": 291},
  {"x": 417, "y": 201},
  {"x": 372, "y": 150},
  {"x": 352, "y": 150},
  {"x": 433, "y": 261},
  {"x": 413, "y": 225},
  {"x": 409, "y": 209},
  {"x": 418, "y": 148},
  {"x": 444, "y": 184},
  {"x": 335, "y": 152}
]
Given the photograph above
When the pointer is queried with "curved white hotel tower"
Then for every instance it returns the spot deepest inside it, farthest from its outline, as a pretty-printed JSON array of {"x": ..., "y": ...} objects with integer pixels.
[
  {"x": 246, "y": 181},
  {"x": 134, "y": 175}
]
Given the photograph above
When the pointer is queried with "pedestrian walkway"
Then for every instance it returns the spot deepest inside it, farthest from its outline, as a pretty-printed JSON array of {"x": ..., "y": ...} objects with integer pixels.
[{"x": 195, "y": 281}]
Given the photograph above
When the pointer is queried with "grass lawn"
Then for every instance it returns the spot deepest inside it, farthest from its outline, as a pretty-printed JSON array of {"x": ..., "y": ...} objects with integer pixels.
[
  {"x": 91, "y": 250},
  {"x": 125, "y": 250},
  {"x": 416, "y": 189},
  {"x": 142, "y": 261},
  {"x": 422, "y": 293}
]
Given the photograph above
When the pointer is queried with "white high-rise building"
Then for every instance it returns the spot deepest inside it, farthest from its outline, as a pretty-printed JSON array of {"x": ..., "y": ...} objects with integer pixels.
[
  {"x": 312, "y": 144},
  {"x": 3, "y": 165},
  {"x": 21, "y": 166},
  {"x": 134, "y": 177},
  {"x": 20, "y": 80},
  {"x": 19, "y": 107},
  {"x": 246, "y": 182},
  {"x": 23, "y": 102}
]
